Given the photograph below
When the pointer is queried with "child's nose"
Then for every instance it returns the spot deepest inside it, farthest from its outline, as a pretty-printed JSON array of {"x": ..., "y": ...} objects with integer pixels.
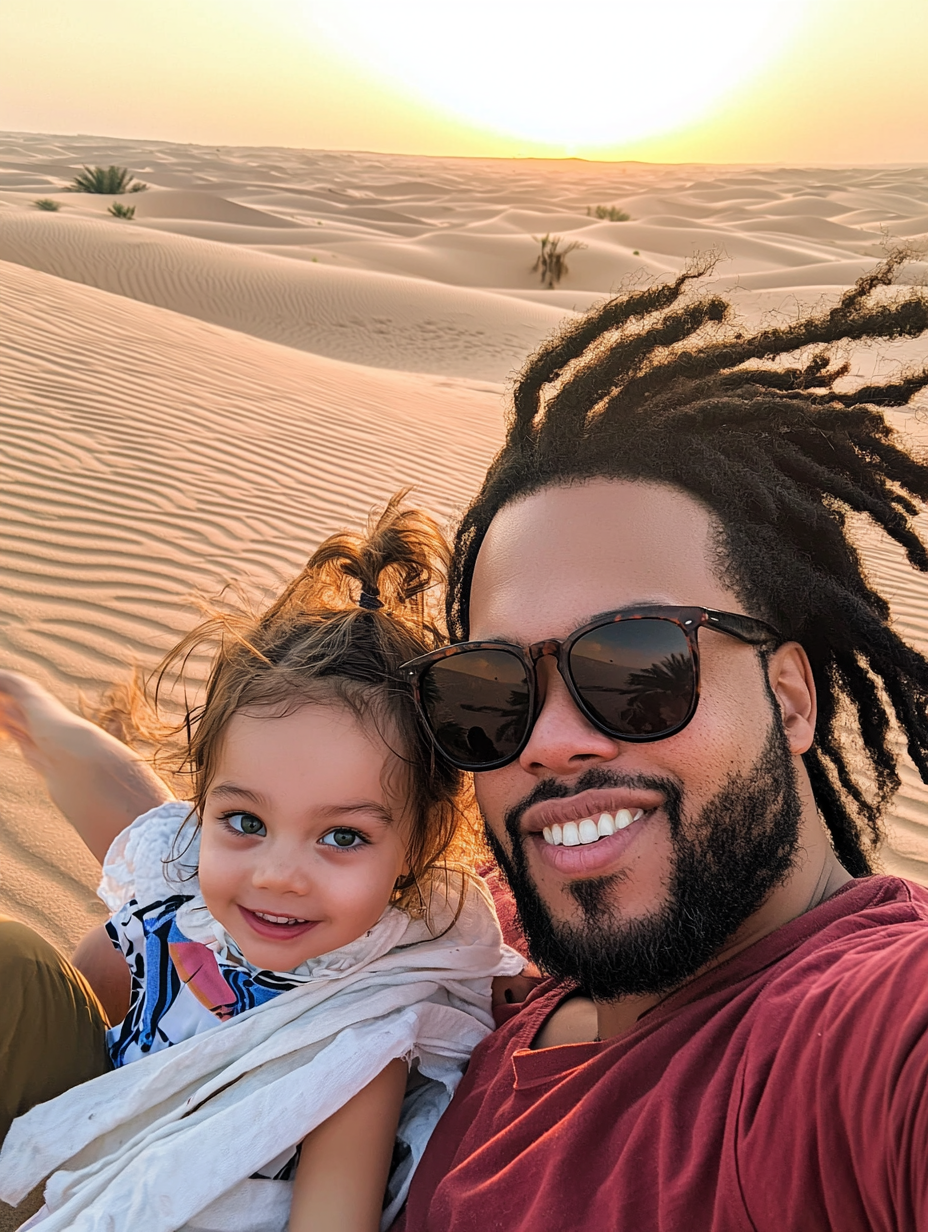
[{"x": 282, "y": 871}]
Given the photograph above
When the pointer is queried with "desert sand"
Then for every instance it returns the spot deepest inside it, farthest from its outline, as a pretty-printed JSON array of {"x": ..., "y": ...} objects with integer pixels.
[{"x": 279, "y": 339}]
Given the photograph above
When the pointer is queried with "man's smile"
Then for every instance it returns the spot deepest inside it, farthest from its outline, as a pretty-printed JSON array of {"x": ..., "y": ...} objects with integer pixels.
[
  {"x": 594, "y": 854},
  {"x": 591, "y": 805},
  {"x": 587, "y": 834},
  {"x": 589, "y": 829}
]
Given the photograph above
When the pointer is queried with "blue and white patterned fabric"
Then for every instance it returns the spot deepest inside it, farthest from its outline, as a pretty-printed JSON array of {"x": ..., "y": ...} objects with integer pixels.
[{"x": 179, "y": 987}]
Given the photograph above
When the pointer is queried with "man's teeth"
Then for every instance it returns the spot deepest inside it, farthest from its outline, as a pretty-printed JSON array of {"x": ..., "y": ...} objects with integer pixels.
[
  {"x": 589, "y": 830},
  {"x": 279, "y": 919}
]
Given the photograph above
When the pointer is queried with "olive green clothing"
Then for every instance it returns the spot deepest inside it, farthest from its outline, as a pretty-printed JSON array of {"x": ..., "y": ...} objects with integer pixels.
[{"x": 52, "y": 1028}]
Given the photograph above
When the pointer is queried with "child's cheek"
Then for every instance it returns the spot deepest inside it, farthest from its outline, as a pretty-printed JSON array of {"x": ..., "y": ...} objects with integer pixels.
[{"x": 218, "y": 875}]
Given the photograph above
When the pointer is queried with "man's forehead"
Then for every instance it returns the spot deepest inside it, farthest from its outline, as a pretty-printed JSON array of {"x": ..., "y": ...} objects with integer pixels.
[{"x": 553, "y": 559}]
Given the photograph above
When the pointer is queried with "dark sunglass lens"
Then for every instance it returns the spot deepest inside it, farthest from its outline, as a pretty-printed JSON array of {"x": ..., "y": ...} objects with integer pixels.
[
  {"x": 476, "y": 703},
  {"x": 637, "y": 677}
]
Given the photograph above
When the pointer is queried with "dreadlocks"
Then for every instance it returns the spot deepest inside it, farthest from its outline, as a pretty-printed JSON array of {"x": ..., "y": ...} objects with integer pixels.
[{"x": 656, "y": 385}]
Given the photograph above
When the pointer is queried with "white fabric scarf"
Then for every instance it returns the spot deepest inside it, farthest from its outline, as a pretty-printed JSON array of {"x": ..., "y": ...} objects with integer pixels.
[{"x": 170, "y": 1142}]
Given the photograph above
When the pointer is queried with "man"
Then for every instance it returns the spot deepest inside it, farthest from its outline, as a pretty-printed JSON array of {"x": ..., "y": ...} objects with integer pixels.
[{"x": 678, "y": 689}]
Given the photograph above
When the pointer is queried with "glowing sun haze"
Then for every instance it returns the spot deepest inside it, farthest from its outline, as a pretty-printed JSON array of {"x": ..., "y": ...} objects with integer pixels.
[
  {"x": 830, "y": 81},
  {"x": 591, "y": 74}
]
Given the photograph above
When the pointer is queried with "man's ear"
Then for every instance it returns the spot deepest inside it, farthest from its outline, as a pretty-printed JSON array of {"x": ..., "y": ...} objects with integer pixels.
[{"x": 790, "y": 674}]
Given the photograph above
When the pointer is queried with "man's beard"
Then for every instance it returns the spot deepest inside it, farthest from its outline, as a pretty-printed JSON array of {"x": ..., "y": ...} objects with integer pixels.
[{"x": 725, "y": 862}]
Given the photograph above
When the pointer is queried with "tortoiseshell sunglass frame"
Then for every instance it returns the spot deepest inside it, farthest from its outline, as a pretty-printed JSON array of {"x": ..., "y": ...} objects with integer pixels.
[{"x": 689, "y": 619}]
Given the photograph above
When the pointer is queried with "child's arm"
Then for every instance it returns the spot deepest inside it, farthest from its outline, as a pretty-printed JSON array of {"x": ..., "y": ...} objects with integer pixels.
[
  {"x": 95, "y": 780},
  {"x": 345, "y": 1162},
  {"x": 106, "y": 971}
]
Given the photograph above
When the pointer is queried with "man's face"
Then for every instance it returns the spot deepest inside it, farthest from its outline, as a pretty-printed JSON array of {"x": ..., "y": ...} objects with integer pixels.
[{"x": 716, "y": 806}]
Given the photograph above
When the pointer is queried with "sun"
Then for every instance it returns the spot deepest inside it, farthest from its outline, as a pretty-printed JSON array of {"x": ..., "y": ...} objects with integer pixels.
[{"x": 574, "y": 74}]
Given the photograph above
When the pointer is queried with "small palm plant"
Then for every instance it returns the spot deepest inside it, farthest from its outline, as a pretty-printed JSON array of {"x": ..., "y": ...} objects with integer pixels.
[
  {"x": 106, "y": 180},
  {"x": 551, "y": 260},
  {"x": 118, "y": 210},
  {"x": 47, "y": 203},
  {"x": 610, "y": 212}
]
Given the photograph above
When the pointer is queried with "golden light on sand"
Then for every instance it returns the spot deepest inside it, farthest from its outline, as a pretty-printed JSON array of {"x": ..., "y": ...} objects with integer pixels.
[{"x": 591, "y": 74}]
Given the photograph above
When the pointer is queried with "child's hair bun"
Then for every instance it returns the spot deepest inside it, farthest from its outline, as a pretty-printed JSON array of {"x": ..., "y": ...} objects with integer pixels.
[{"x": 402, "y": 557}]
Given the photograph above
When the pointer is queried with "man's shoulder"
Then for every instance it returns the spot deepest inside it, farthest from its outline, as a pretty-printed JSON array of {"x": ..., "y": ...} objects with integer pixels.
[
  {"x": 861, "y": 968},
  {"x": 880, "y": 915},
  {"x": 882, "y": 891}
]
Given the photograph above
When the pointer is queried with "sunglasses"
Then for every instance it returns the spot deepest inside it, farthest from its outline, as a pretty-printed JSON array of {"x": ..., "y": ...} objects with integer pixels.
[{"x": 634, "y": 674}]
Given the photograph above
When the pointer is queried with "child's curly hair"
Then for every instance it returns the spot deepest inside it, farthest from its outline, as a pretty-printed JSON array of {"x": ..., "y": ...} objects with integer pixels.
[{"x": 338, "y": 632}]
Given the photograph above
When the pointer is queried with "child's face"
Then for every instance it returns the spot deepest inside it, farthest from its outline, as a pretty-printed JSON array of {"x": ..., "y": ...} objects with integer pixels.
[{"x": 300, "y": 845}]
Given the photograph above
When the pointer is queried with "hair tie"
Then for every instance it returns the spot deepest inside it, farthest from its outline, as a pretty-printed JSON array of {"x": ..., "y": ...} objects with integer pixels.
[{"x": 369, "y": 602}]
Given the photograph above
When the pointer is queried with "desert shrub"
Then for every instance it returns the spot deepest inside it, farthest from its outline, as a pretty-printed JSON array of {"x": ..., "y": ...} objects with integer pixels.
[
  {"x": 551, "y": 260},
  {"x": 118, "y": 210},
  {"x": 610, "y": 212},
  {"x": 106, "y": 180},
  {"x": 46, "y": 203}
]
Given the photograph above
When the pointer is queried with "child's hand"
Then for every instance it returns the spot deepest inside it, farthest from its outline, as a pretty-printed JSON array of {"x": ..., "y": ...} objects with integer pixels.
[
  {"x": 513, "y": 989},
  {"x": 30, "y": 717}
]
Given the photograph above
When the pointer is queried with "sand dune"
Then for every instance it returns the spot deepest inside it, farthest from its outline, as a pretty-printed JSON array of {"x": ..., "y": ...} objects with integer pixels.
[
  {"x": 347, "y": 314},
  {"x": 207, "y": 207},
  {"x": 280, "y": 338}
]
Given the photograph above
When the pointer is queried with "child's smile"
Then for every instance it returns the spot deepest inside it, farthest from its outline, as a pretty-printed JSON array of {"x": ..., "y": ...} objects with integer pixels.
[
  {"x": 276, "y": 927},
  {"x": 301, "y": 843}
]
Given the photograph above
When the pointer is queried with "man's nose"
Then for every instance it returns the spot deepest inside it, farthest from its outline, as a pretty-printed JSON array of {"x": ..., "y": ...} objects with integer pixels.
[{"x": 563, "y": 741}]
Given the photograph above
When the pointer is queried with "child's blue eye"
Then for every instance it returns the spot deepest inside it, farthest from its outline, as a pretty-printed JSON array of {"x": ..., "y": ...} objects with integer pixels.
[
  {"x": 343, "y": 839},
  {"x": 245, "y": 823}
]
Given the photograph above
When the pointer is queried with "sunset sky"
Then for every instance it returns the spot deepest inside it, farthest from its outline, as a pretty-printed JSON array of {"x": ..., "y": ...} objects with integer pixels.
[{"x": 825, "y": 81}]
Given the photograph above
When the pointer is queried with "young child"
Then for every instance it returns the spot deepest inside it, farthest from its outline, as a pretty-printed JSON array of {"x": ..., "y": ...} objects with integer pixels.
[{"x": 310, "y": 956}]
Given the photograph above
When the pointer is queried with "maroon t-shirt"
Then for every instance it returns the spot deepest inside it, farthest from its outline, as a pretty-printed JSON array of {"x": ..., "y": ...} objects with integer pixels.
[{"x": 784, "y": 1091}]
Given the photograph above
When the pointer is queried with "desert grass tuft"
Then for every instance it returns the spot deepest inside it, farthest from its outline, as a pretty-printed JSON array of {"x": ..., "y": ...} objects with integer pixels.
[
  {"x": 106, "y": 180},
  {"x": 47, "y": 203},
  {"x": 611, "y": 213},
  {"x": 551, "y": 261},
  {"x": 118, "y": 210}
]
